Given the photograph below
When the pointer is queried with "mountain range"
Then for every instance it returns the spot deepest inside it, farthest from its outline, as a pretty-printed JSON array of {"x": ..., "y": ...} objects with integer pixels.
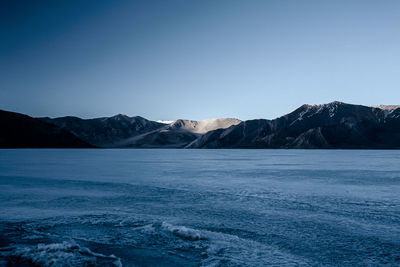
[{"x": 335, "y": 125}]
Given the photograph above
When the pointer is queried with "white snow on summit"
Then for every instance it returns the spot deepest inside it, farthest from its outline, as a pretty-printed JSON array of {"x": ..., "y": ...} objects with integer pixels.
[
  {"x": 165, "y": 122},
  {"x": 204, "y": 126}
]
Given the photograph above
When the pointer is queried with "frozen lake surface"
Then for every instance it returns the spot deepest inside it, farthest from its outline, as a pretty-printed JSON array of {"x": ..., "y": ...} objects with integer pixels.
[{"x": 199, "y": 207}]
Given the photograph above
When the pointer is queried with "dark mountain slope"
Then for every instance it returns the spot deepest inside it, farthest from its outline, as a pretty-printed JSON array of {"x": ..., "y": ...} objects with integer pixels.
[
  {"x": 108, "y": 131},
  {"x": 162, "y": 138},
  {"x": 22, "y": 131},
  {"x": 178, "y": 134},
  {"x": 124, "y": 131},
  {"x": 333, "y": 125}
]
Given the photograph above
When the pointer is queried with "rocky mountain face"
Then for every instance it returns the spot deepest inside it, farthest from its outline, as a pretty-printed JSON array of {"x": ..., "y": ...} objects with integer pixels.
[
  {"x": 22, "y": 131},
  {"x": 204, "y": 126},
  {"x": 178, "y": 134},
  {"x": 124, "y": 131},
  {"x": 107, "y": 131},
  {"x": 333, "y": 125}
]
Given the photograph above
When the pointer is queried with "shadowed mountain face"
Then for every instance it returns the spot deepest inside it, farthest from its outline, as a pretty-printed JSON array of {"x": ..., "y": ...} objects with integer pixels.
[
  {"x": 22, "y": 131},
  {"x": 178, "y": 134},
  {"x": 202, "y": 127},
  {"x": 108, "y": 131},
  {"x": 333, "y": 125},
  {"x": 124, "y": 131}
]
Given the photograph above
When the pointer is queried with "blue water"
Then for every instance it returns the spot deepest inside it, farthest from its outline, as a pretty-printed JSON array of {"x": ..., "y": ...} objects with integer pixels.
[{"x": 199, "y": 208}]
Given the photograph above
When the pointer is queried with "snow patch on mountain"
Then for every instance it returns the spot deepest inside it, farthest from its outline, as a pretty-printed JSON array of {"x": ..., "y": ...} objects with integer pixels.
[
  {"x": 387, "y": 107},
  {"x": 165, "y": 122},
  {"x": 204, "y": 126}
]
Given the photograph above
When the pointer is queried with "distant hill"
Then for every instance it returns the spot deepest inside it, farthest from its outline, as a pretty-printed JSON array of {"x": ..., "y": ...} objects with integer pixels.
[
  {"x": 107, "y": 131},
  {"x": 177, "y": 134},
  {"x": 335, "y": 125},
  {"x": 125, "y": 131},
  {"x": 22, "y": 131}
]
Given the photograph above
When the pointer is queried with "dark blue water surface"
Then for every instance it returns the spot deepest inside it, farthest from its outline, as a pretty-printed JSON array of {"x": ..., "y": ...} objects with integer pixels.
[{"x": 199, "y": 207}]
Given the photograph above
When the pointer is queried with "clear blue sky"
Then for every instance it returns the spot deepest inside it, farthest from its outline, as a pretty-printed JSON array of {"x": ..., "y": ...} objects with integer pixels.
[{"x": 196, "y": 59}]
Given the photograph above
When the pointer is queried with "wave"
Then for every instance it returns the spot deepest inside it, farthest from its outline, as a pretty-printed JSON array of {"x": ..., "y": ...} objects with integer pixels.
[
  {"x": 217, "y": 248},
  {"x": 158, "y": 239},
  {"x": 182, "y": 231},
  {"x": 55, "y": 254}
]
